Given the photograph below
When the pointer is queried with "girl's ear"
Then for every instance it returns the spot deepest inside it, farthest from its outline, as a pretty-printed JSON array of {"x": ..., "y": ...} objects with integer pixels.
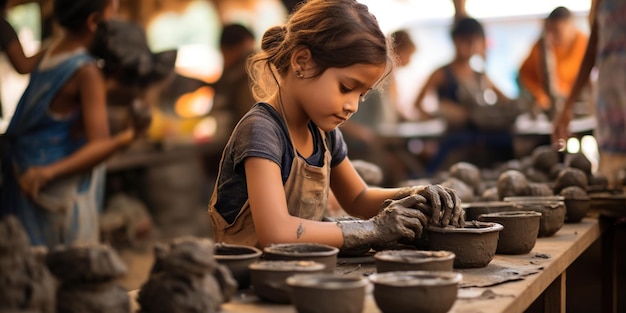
[
  {"x": 302, "y": 62},
  {"x": 92, "y": 21}
]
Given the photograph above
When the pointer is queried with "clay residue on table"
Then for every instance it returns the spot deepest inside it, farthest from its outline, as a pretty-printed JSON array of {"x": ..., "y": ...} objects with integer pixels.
[{"x": 494, "y": 274}]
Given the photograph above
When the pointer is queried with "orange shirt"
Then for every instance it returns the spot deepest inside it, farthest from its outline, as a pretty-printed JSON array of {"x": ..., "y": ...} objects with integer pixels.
[{"x": 567, "y": 61}]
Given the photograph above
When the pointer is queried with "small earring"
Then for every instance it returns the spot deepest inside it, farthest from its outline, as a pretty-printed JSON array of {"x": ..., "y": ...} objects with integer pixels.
[{"x": 299, "y": 74}]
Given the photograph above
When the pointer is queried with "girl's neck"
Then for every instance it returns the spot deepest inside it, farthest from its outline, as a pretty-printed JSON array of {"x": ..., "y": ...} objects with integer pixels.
[
  {"x": 296, "y": 120},
  {"x": 70, "y": 41}
]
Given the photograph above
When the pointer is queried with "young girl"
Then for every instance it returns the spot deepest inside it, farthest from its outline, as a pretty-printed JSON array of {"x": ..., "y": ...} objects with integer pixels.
[
  {"x": 286, "y": 152},
  {"x": 59, "y": 134}
]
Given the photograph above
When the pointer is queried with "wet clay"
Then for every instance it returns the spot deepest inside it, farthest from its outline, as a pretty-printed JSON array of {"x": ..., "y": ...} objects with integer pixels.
[
  {"x": 26, "y": 285},
  {"x": 520, "y": 230},
  {"x": 324, "y": 254},
  {"x": 87, "y": 276},
  {"x": 474, "y": 245},
  {"x": 570, "y": 177},
  {"x": 415, "y": 291},
  {"x": 467, "y": 173},
  {"x": 237, "y": 258},
  {"x": 413, "y": 260},
  {"x": 512, "y": 183},
  {"x": 322, "y": 293},
  {"x": 186, "y": 278},
  {"x": 269, "y": 277}
]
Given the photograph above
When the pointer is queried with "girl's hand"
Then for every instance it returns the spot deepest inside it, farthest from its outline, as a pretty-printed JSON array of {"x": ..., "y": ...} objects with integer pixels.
[
  {"x": 441, "y": 204},
  {"x": 34, "y": 179},
  {"x": 560, "y": 131}
]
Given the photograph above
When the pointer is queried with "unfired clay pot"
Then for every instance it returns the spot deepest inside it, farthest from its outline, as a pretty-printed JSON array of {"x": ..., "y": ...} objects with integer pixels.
[
  {"x": 323, "y": 293},
  {"x": 474, "y": 245},
  {"x": 324, "y": 254},
  {"x": 520, "y": 230},
  {"x": 415, "y": 291},
  {"x": 268, "y": 278},
  {"x": 237, "y": 258},
  {"x": 576, "y": 209},
  {"x": 552, "y": 211},
  {"x": 474, "y": 209},
  {"x": 413, "y": 260}
]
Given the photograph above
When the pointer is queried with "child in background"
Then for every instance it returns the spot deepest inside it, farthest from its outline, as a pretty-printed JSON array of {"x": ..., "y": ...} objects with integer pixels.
[
  {"x": 59, "y": 135},
  {"x": 286, "y": 153}
]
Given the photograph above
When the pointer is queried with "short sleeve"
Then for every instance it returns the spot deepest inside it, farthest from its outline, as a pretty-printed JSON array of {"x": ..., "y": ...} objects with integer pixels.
[
  {"x": 338, "y": 148},
  {"x": 257, "y": 136}
]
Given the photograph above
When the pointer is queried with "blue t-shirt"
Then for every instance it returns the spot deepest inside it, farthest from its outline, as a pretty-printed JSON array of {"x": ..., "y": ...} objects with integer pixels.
[{"x": 263, "y": 133}]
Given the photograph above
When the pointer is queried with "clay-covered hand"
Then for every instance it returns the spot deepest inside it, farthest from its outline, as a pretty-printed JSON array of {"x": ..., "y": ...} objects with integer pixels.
[
  {"x": 393, "y": 223},
  {"x": 441, "y": 204}
]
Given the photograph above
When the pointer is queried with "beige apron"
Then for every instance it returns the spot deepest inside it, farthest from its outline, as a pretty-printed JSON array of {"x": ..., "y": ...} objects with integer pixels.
[{"x": 306, "y": 189}]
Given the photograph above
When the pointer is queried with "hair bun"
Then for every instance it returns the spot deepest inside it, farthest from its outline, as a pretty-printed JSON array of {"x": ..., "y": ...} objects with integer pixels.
[{"x": 273, "y": 37}]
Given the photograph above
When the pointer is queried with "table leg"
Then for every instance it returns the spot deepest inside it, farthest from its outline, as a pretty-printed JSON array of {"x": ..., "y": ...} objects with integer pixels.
[
  {"x": 609, "y": 268},
  {"x": 554, "y": 296}
]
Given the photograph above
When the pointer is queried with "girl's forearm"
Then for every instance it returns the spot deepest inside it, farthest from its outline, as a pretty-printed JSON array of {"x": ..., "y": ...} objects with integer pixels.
[{"x": 90, "y": 155}]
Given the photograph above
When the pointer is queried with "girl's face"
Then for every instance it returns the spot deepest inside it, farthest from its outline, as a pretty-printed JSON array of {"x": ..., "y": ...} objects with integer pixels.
[
  {"x": 467, "y": 46},
  {"x": 330, "y": 99}
]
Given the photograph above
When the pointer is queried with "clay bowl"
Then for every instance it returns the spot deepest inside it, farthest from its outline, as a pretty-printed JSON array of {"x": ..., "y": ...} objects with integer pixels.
[
  {"x": 322, "y": 293},
  {"x": 576, "y": 209},
  {"x": 552, "y": 211},
  {"x": 474, "y": 209},
  {"x": 324, "y": 254},
  {"x": 237, "y": 258},
  {"x": 473, "y": 245},
  {"x": 520, "y": 230},
  {"x": 268, "y": 278},
  {"x": 413, "y": 260},
  {"x": 415, "y": 291}
]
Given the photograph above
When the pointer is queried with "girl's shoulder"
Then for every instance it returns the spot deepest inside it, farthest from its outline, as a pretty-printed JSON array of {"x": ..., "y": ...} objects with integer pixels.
[{"x": 261, "y": 120}]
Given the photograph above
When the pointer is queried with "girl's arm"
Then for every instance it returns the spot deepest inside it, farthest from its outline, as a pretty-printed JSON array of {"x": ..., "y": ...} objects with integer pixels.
[
  {"x": 99, "y": 146},
  {"x": 355, "y": 197},
  {"x": 14, "y": 51},
  {"x": 272, "y": 221}
]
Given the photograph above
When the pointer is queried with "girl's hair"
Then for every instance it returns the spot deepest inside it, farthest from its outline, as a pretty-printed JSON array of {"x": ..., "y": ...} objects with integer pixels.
[
  {"x": 72, "y": 14},
  {"x": 339, "y": 33},
  {"x": 402, "y": 40},
  {"x": 467, "y": 27}
]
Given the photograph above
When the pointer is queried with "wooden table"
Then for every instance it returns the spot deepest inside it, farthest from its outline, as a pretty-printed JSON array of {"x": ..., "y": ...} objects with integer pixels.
[{"x": 551, "y": 257}]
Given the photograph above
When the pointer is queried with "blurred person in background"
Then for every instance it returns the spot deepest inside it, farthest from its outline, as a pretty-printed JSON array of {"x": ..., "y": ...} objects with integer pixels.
[
  {"x": 462, "y": 88},
  {"x": 549, "y": 71},
  {"x": 606, "y": 50}
]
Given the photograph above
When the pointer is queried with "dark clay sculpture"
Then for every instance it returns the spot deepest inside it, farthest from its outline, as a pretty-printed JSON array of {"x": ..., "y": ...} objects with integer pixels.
[
  {"x": 26, "y": 285},
  {"x": 570, "y": 176},
  {"x": 512, "y": 183},
  {"x": 186, "y": 278},
  {"x": 87, "y": 276},
  {"x": 467, "y": 173}
]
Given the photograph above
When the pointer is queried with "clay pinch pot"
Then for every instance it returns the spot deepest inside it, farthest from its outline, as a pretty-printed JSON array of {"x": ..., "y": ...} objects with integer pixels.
[
  {"x": 576, "y": 209},
  {"x": 474, "y": 209},
  {"x": 552, "y": 211},
  {"x": 415, "y": 291},
  {"x": 320, "y": 253},
  {"x": 520, "y": 230},
  {"x": 322, "y": 293},
  {"x": 269, "y": 278},
  {"x": 413, "y": 260},
  {"x": 237, "y": 258},
  {"x": 474, "y": 245}
]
